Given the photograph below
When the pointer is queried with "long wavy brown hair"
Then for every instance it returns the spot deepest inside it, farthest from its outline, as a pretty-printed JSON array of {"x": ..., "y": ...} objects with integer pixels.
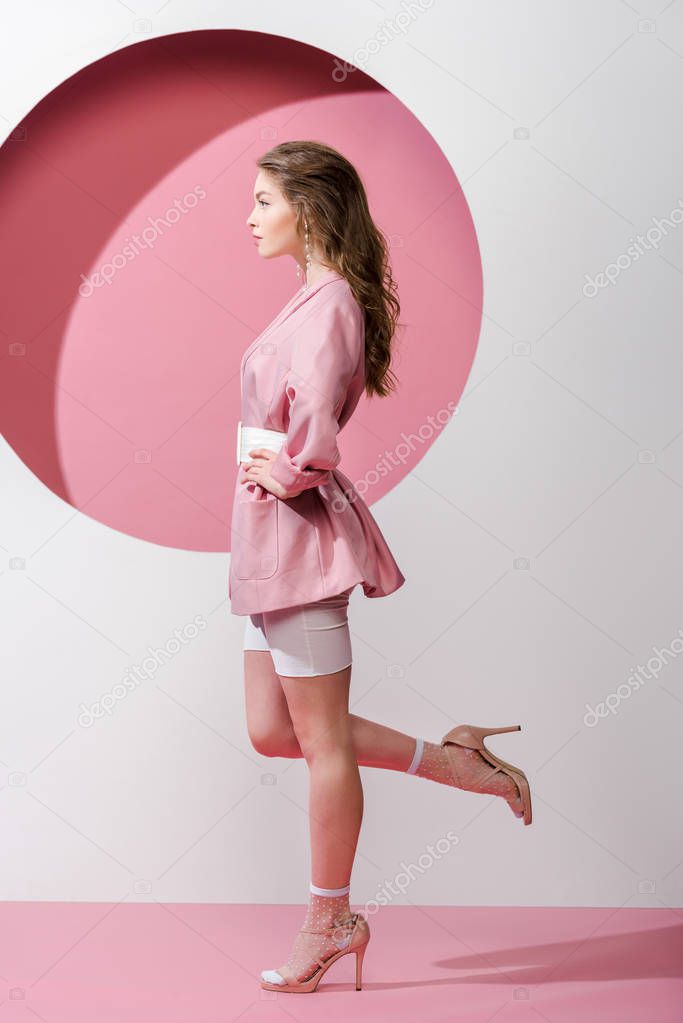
[{"x": 327, "y": 192}]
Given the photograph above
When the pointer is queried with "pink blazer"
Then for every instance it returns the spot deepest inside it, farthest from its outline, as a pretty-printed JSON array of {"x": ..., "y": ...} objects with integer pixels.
[{"x": 304, "y": 375}]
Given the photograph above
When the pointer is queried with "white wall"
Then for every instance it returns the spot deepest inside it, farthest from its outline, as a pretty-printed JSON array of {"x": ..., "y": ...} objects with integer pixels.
[{"x": 567, "y": 451}]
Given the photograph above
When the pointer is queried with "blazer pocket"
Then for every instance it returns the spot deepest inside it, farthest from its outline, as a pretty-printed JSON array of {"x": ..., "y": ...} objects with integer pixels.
[{"x": 254, "y": 543}]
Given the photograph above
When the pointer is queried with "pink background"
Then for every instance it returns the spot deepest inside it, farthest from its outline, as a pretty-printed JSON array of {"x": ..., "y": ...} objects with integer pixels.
[{"x": 124, "y": 403}]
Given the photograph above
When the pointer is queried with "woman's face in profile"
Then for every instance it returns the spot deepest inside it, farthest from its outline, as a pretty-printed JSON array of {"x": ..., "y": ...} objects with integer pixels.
[{"x": 272, "y": 220}]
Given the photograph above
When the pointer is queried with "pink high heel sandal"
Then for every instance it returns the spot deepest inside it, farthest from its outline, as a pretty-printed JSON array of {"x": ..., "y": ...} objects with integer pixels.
[
  {"x": 472, "y": 737},
  {"x": 358, "y": 940}
]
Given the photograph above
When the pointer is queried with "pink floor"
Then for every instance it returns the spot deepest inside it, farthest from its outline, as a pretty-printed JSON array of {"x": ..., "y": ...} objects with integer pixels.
[{"x": 98, "y": 962}]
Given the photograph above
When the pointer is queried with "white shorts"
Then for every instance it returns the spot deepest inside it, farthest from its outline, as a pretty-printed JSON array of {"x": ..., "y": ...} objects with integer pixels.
[{"x": 309, "y": 639}]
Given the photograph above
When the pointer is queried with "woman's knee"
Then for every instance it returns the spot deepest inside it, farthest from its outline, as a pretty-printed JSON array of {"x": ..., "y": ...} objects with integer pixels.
[{"x": 279, "y": 741}]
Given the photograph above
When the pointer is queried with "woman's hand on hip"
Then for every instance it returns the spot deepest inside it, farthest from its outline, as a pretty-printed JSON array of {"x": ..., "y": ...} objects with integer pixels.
[{"x": 257, "y": 471}]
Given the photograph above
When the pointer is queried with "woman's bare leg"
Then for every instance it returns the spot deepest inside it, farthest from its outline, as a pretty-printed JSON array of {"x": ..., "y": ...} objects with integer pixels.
[
  {"x": 375, "y": 745},
  {"x": 272, "y": 733},
  {"x": 319, "y": 711}
]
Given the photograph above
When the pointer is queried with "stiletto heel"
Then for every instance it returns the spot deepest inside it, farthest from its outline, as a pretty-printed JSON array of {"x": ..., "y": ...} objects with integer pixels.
[
  {"x": 472, "y": 737},
  {"x": 360, "y": 952},
  {"x": 355, "y": 933}
]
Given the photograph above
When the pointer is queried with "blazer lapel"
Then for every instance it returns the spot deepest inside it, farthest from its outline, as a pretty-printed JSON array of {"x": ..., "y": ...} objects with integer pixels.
[{"x": 295, "y": 301}]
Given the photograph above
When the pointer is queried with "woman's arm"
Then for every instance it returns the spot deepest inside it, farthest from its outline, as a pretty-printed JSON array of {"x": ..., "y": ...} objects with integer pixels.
[{"x": 324, "y": 359}]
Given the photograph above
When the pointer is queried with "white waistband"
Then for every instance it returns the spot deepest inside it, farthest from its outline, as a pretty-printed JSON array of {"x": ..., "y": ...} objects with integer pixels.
[{"x": 249, "y": 437}]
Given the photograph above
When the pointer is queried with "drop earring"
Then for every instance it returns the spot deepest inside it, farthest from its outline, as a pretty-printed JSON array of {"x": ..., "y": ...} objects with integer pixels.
[{"x": 307, "y": 252}]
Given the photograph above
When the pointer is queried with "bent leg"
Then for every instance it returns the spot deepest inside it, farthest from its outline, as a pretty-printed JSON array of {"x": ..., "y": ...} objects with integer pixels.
[
  {"x": 268, "y": 721},
  {"x": 309, "y": 641},
  {"x": 272, "y": 734}
]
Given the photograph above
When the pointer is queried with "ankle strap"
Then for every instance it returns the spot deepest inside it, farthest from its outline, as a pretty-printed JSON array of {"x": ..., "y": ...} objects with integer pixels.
[{"x": 334, "y": 928}]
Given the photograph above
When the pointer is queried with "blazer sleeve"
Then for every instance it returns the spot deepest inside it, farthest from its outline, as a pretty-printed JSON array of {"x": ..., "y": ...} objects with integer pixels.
[{"x": 325, "y": 356}]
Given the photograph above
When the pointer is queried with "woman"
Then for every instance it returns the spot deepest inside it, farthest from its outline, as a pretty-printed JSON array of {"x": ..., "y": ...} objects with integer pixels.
[{"x": 303, "y": 538}]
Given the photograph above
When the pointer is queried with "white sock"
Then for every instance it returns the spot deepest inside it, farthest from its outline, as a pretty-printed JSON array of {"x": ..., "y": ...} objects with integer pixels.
[
  {"x": 330, "y": 892},
  {"x": 417, "y": 757}
]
